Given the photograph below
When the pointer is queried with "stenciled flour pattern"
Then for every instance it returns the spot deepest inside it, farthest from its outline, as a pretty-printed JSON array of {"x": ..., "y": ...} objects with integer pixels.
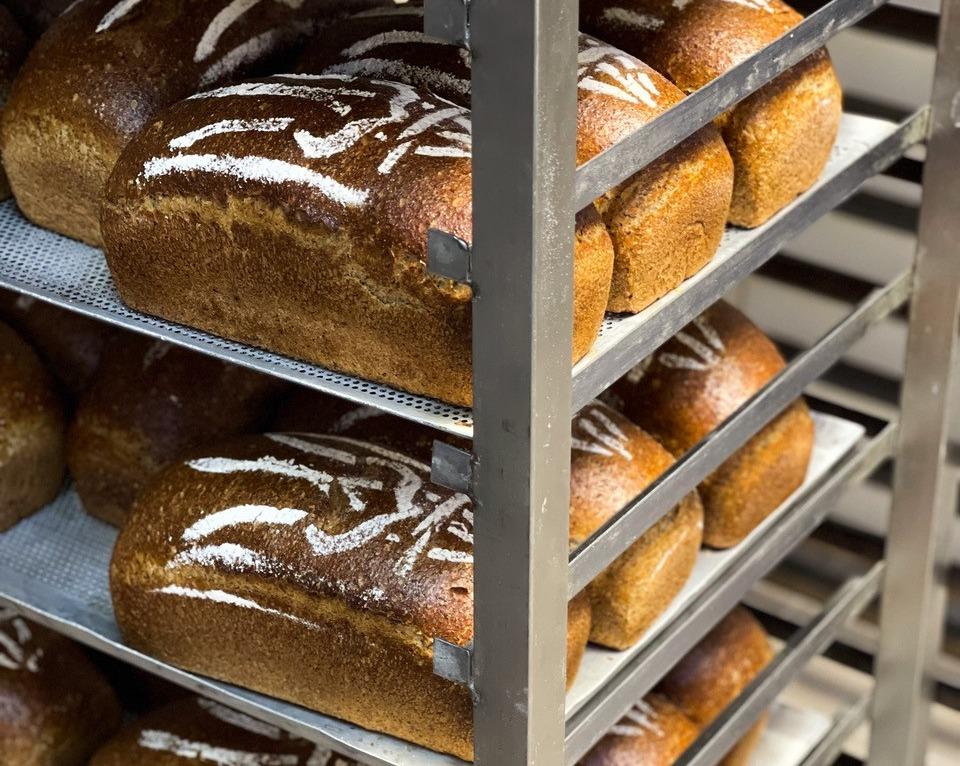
[
  {"x": 611, "y": 72},
  {"x": 418, "y": 126},
  {"x": 17, "y": 649},
  {"x": 595, "y": 430},
  {"x": 209, "y": 43},
  {"x": 641, "y": 721},
  {"x": 362, "y": 474},
  {"x": 705, "y": 348}
]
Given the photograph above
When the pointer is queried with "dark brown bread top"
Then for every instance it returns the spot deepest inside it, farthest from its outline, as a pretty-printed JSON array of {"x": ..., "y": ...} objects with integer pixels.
[
  {"x": 654, "y": 733},
  {"x": 195, "y": 729},
  {"x": 70, "y": 344},
  {"x": 28, "y": 396},
  {"x": 13, "y": 50},
  {"x": 55, "y": 708},
  {"x": 149, "y": 403},
  {"x": 296, "y": 524},
  {"x": 717, "y": 669},
  {"x": 36, "y": 15},
  {"x": 380, "y": 157},
  {"x": 691, "y": 42},
  {"x": 699, "y": 377}
]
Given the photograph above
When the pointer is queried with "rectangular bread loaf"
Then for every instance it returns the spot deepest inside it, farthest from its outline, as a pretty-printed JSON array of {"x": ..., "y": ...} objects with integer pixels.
[
  {"x": 292, "y": 213},
  {"x": 317, "y": 569}
]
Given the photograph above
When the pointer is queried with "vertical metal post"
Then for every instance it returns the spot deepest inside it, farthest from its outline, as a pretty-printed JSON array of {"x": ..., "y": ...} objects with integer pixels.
[
  {"x": 524, "y": 127},
  {"x": 923, "y": 499}
]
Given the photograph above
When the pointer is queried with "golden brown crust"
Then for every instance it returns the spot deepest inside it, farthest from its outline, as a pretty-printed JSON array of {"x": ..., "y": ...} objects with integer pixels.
[
  {"x": 70, "y": 344},
  {"x": 320, "y": 257},
  {"x": 149, "y": 403},
  {"x": 55, "y": 707},
  {"x": 236, "y": 559},
  {"x": 717, "y": 669},
  {"x": 103, "y": 70},
  {"x": 613, "y": 461},
  {"x": 691, "y": 385},
  {"x": 31, "y": 432},
  {"x": 779, "y": 138},
  {"x": 13, "y": 50},
  {"x": 192, "y": 729},
  {"x": 665, "y": 222},
  {"x": 654, "y": 733}
]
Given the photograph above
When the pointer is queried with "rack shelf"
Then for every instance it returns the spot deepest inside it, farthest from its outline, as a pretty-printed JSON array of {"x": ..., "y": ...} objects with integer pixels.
[
  {"x": 54, "y": 569},
  {"x": 58, "y": 270}
]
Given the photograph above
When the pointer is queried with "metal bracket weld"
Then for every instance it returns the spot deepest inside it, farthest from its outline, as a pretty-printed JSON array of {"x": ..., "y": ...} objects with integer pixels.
[
  {"x": 451, "y": 467},
  {"x": 449, "y": 20},
  {"x": 448, "y": 256},
  {"x": 453, "y": 662}
]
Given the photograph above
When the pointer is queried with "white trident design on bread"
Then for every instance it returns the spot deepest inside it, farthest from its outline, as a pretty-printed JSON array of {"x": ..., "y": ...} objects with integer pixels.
[
  {"x": 705, "y": 351},
  {"x": 595, "y": 430},
  {"x": 640, "y": 721},
  {"x": 16, "y": 652}
]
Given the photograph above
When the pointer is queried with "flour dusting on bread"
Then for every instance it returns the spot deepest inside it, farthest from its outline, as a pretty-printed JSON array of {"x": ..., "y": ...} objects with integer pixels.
[
  {"x": 632, "y": 19},
  {"x": 16, "y": 651},
  {"x": 595, "y": 430},
  {"x": 705, "y": 351},
  {"x": 641, "y": 721},
  {"x": 611, "y": 72},
  {"x": 166, "y": 742}
]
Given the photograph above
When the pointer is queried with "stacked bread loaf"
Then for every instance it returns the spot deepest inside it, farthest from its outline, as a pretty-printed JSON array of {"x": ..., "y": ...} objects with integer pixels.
[
  {"x": 318, "y": 569},
  {"x": 69, "y": 344},
  {"x": 339, "y": 182},
  {"x": 13, "y": 50},
  {"x": 781, "y": 136},
  {"x": 55, "y": 707},
  {"x": 148, "y": 403},
  {"x": 200, "y": 730},
  {"x": 660, "y": 728},
  {"x": 31, "y": 431},
  {"x": 104, "y": 69},
  {"x": 665, "y": 222},
  {"x": 691, "y": 385}
]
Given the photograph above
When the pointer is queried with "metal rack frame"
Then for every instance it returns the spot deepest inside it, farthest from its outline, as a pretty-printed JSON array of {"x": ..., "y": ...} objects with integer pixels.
[{"x": 519, "y": 265}]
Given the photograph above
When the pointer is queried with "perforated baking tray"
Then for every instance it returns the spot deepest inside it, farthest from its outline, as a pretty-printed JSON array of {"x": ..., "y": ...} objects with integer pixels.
[
  {"x": 54, "y": 568},
  {"x": 59, "y": 270}
]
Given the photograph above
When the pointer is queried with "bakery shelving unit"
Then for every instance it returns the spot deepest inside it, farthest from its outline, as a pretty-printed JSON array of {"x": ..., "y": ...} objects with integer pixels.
[{"x": 53, "y": 567}]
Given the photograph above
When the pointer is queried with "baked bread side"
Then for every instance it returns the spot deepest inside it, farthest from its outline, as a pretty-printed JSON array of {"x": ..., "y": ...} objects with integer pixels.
[
  {"x": 13, "y": 50},
  {"x": 195, "y": 729},
  {"x": 57, "y": 708},
  {"x": 292, "y": 213},
  {"x": 150, "y": 402},
  {"x": 69, "y": 344},
  {"x": 613, "y": 461},
  {"x": 665, "y": 222},
  {"x": 691, "y": 385},
  {"x": 317, "y": 569},
  {"x": 104, "y": 69},
  {"x": 31, "y": 436},
  {"x": 780, "y": 138}
]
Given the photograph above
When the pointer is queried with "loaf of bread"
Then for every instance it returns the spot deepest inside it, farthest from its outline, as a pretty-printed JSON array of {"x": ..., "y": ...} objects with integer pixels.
[
  {"x": 665, "y": 222},
  {"x": 31, "y": 432},
  {"x": 612, "y": 462},
  {"x": 781, "y": 136},
  {"x": 13, "y": 49},
  {"x": 654, "y": 733},
  {"x": 150, "y": 402},
  {"x": 658, "y": 730},
  {"x": 193, "y": 731},
  {"x": 69, "y": 344},
  {"x": 292, "y": 213},
  {"x": 691, "y": 385},
  {"x": 34, "y": 16},
  {"x": 102, "y": 72},
  {"x": 317, "y": 569},
  {"x": 55, "y": 707},
  {"x": 716, "y": 671}
]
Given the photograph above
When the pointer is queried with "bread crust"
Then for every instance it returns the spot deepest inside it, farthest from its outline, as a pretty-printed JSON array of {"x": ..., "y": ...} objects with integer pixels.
[
  {"x": 665, "y": 222},
  {"x": 613, "y": 461},
  {"x": 103, "y": 70},
  {"x": 691, "y": 385},
  {"x": 149, "y": 403},
  {"x": 13, "y": 50},
  {"x": 57, "y": 708},
  {"x": 780, "y": 138},
  {"x": 313, "y": 242},
  {"x": 192, "y": 729},
  {"x": 236, "y": 560},
  {"x": 69, "y": 344},
  {"x": 31, "y": 436}
]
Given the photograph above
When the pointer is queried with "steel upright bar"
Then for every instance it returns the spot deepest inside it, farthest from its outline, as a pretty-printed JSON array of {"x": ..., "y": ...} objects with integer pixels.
[
  {"x": 913, "y": 603},
  {"x": 524, "y": 126}
]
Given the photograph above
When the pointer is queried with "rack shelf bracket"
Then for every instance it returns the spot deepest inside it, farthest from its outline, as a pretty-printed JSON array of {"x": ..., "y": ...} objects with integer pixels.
[
  {"x": 453, "y": 662},
  {"x": 449, "y": 20},
  {"x": 448, "y": 256},
  {"x": 452, "y": 468}
]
